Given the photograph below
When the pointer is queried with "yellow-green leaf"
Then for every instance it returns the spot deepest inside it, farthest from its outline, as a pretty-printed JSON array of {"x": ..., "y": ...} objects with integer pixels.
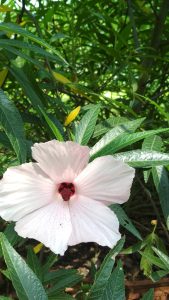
[
  {"x": 5, "y": 8},
  {"x": 3, "y": 75},
  {"x": 61, "y": 78},
  {"x": 37, "y": 248},
  {"x": 73, "y": 114}
]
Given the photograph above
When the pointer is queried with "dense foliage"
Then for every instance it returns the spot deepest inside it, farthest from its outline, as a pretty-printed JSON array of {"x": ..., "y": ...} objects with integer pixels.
[{"x": 111, "y": 58}]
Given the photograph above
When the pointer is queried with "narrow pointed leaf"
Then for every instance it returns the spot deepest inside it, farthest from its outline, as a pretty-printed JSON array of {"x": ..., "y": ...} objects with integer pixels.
[
  {"x": 120, "y": 125},
  {"x": 108, "y": 145},
  {"x": 103, "y": 275},
  {"x": 152, "y": 143},
  {"x": 108, "y": 124},
  {"x": 12, "y": 124},
  {"x": 115, "y": 289},
  {"x": 161, "y": 181},
  {"x": 86, "y": 127},
  {"x": 52, "y": 126},
  {"x": 26, "y": 283},
  {"x": 149, "y": 295},
  {"x": 142, "y": 159},
  {"x": 13, "y": 28},
  {"x": 124, "y": 220},
  {"x": 164, "y": 258}
]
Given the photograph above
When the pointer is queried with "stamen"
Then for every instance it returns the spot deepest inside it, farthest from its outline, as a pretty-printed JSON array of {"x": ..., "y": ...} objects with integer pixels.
[{"x": 67, "y": 190}]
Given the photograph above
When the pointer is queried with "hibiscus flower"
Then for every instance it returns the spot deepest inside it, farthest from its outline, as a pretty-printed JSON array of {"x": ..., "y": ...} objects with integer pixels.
[{"x": 62, "y": 199}]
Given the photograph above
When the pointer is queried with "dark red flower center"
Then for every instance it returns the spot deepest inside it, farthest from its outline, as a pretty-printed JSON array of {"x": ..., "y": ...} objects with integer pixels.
[{"x": 66, "y": 189}]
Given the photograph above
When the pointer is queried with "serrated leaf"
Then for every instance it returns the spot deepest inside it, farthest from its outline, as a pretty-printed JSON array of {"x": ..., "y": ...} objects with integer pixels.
[
  {"x": 87, "y": 124},
  {"x": 143, "y": 159},
  {"x": 124, "y": 220},
  {"x": 148, "y": 295},
  {"x": 161, "y": 181},
  {"x": 124, "y": 124},
  {"x": 115, "y": 288},
  {"x": 103, "y": 275},
  {"x": 27, "y": 285},
  {"x": 109, "y": 145},
  {"x": 12, "y": 124}
]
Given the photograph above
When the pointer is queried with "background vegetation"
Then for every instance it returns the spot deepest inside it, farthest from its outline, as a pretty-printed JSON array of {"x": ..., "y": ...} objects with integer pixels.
[{"x": 112, "y": 59}]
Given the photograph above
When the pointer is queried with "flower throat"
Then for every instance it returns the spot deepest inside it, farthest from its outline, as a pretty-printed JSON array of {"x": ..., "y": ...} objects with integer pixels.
[{"x": 67, "y": 190}]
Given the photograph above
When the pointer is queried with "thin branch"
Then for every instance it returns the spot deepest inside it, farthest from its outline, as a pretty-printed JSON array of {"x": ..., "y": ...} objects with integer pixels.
[{"x": 131, "y": 16}]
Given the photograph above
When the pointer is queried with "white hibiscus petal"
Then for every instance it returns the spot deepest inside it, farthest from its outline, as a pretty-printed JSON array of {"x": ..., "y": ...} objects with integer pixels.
[
  {"x": 106, "y": 179},
  {"x": 92, "y": 221},
  {"x": 24, "y": 189},
  {"x": 51, "y": 225},
  {"x": 62, "y": 161}
]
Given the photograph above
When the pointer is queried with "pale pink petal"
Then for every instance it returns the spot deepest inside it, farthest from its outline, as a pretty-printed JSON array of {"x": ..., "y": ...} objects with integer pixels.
[
  {"x": 51, "y": 225},
  {"x": 23, "y": 189},
  {"x": 105, "y": 179},
  {"x": 62, "y": 161},
  {"x": 92, "y": 221}
]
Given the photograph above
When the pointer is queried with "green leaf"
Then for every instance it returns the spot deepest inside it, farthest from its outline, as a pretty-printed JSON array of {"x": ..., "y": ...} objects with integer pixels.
[
  {"x": 22, "y": 45},
  {"x": 157, "y": 275},
  {"x": 12, "y": 235},
  {"x": 152, "y": 143},
  {"x": 124, "y": 220},
  {"x": 11, "y": 122},
  {"x": 103, "y": 275},
  {"x": 153, "y": 260},
  {"x": 5, "y": 298},
  {"x": 109, "y": 144},
  {"x": 64, "y": 282},
  {"x": 119, "y": 126},
  {"x": 61, "y": 296},
  {"x": 164, "y": 258},
  {"x": 28, "y": 88},
  {"x": 143, "y": 159},
  {"x": 52, "y": 126},
  {"x": 87, "y": 124},
  {"x": 161, "y": 181},
  {"x": 54, "y": 276},
  {"x": 108, "y": 124},
  {"x": 115, "y": 289},
  {"x": 148, "y": 295},
  {"x": 26, "y": 284},
  {"x": 13, "y": 28},
  {"x": 146, "y": 264},
  {"x": 51, "y": 259},
  {"x": 25, "y": 56},
  {"x": 34, "y": 263}
]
